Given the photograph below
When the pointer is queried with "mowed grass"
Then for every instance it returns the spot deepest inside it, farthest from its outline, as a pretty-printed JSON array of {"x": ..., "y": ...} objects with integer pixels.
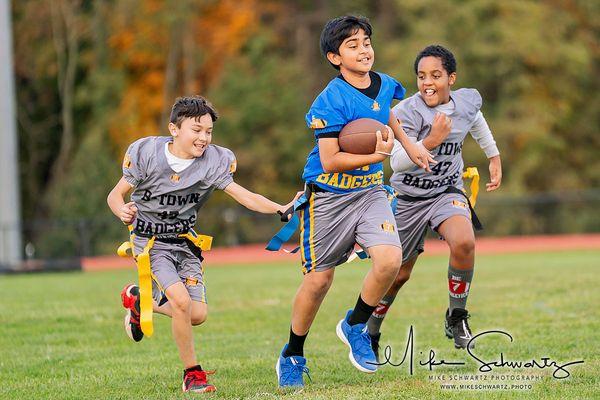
[{"x": 61, "y": 335}]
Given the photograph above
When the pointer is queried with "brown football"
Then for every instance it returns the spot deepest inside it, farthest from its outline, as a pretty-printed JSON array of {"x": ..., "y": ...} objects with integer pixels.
[{"x": 358, "y": 136}]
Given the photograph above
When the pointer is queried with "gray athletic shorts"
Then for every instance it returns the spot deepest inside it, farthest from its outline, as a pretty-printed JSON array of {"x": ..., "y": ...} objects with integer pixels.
[
  {"x": 172, "y": 263},
  {"x": 413, "y": 218},
  {"x": 332, "y": 223}
]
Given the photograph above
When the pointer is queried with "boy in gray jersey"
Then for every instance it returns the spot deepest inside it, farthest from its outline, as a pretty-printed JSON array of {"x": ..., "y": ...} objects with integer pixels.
[
  {"x": 172, "y": 177},
  {"x": 438, "y": 118}
]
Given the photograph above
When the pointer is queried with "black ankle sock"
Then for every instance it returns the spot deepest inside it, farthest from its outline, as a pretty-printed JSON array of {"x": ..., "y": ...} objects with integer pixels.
[
  {"x": 361, "y": 313},
  {"x": 295, "y": 345},
  {"x": 194, "y": 368}
]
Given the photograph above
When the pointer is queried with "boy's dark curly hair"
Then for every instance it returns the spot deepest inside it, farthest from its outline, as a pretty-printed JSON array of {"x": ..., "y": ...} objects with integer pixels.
[{"x": 448, "y": 60}]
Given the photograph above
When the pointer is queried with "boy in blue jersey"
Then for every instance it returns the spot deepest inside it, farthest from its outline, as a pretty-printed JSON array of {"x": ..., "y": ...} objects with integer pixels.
[{"x": 346, "y": 203}]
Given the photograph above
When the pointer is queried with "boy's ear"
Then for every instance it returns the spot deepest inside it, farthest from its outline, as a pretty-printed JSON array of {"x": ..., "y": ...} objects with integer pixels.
[
  {"x": 173, "y": 129},
  {"x": 452, "y": 78},
  {"x": 333, "y": 58}
]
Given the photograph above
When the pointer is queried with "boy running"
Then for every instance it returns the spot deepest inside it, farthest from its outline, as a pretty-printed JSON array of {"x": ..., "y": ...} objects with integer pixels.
[
  {"x": 438, "y": 118},
  {"x": 347, "y": 203},
  {"x": 171, "y": 178}
]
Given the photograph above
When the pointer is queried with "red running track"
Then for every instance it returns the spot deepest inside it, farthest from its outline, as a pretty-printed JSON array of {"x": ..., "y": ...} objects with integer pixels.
[{"x": 256, "y": 253}]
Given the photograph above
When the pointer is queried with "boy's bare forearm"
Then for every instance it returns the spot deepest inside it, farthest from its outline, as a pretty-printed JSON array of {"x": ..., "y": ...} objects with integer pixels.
[
  {"x": 115, "y": 202},
  {"x": 252, "y": 201},
  {"x": 430, "y": 143},
  {"x": 335, "y": 160},
  {"x": 116, "y": 197},
  {"x": 399, "y": 133},
  {"x": 341, "y": 162},
  {"x": 264, "y": 205},
  {"x": 261, "y": 204}
]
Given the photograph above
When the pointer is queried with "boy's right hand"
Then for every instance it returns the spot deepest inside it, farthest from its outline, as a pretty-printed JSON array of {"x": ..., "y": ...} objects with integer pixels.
[
  {"x": 440, "y": 129},
  {"x": 127, "y": 213},
  {"x": 287, "y": 212},
  {"x": 420, "y": 155},
  {"x": 384, "y": 147}
]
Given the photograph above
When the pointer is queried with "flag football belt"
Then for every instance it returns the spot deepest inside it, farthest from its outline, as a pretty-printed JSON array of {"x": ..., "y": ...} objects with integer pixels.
[
  {"x": 285, "y": 233},
  {"x": 197, "y": 244},
  {"x": 470, "y": 173}
]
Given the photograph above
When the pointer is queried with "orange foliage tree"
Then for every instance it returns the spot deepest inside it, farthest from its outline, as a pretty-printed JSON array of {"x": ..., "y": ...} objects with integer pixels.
[{"x": 163, "y": 53}]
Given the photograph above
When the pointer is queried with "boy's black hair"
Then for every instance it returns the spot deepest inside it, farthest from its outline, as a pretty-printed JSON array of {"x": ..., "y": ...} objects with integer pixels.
[
  {"x": 191, "y": 107},
  {"x": 448, "y": 60},
  {"x": 339, "y": 29}
]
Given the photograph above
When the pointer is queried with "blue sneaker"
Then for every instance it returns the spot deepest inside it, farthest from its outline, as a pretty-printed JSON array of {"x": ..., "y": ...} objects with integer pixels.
[
  {"x": 290, "y": 370},
  {"x": 357, "y": 338}
]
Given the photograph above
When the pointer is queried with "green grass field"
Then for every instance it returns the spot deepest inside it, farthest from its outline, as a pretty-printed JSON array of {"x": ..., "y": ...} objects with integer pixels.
[{"x": 61, "y": 335}]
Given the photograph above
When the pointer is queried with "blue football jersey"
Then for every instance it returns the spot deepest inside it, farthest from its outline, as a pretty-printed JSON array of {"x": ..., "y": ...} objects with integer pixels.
[{"x": 338, "y": 104}]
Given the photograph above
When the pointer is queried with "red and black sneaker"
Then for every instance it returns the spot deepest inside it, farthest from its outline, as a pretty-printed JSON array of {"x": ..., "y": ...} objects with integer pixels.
[
  {"x": 195, "y": 380},
  {"x": 130, "y": 296}
]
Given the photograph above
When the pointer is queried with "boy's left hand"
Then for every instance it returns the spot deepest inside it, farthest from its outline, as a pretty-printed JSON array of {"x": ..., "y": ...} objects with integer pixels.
[
  {"x": 495, "y": 174},
  {"x": 384, "y": 147}
]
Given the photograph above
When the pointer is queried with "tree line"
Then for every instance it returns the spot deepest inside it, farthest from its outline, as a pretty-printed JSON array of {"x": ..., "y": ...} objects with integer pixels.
[{"x": 92, "y": 76}]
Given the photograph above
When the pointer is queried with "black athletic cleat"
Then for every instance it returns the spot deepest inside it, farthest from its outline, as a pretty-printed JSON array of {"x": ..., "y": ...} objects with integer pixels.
[
  {"x": 457, "y": 328},
  {"x": 375, "y": 344}
]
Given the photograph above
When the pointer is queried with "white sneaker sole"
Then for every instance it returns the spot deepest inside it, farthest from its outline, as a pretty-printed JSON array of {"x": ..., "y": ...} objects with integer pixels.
[
  {"x": 277, "y": 370},
  {"x": 128, "y": 325},
  {"x": 128, "y": 291},
  {"x": 340, "y": 334},
  {"x": 197, "y": 391}
]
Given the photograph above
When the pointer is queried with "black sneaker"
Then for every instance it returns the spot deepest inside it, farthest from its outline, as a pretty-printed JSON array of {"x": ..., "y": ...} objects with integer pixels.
[
  {"x": 456, "y": 327},
  {"x": 375, "y": 344}
]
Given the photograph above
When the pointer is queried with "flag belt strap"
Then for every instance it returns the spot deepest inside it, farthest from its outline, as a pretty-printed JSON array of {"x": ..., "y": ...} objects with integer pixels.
[{"x": 145, "y": 276}]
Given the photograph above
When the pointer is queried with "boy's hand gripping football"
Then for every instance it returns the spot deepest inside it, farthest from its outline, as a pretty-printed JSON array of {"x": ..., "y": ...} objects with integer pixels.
[
  {"x": 127, "y": 212},
  {"x": 384, "y": 147}
]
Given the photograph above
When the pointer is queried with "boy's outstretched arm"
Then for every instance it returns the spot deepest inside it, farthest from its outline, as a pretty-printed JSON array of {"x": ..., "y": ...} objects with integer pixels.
[
  {"x": 440, "y": 129},
  {"x": 418, "y": 154},
  {"x": 256, "y": 202},
  {"x": 124, "y": 211},
  {"x": 482, "y": 134}
]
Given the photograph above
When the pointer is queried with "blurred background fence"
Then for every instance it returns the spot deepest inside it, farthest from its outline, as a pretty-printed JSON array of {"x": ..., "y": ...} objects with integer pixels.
[{"x": 549, "y": 213}]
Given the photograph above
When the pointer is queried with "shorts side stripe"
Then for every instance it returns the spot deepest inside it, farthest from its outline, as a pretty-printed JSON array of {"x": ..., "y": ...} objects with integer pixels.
[
  {"x": 312, "y": 232},
  {"x": 306, "y": 239},
  {"x": 203, "y": 297},
  {"x": 302, "y": 241}
]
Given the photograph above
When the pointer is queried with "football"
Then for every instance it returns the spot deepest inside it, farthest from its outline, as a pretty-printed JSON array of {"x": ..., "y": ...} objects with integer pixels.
[{"x": 358, "y": 136}]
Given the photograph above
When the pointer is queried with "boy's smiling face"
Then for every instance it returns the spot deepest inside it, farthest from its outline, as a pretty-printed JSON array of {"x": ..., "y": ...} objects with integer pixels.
[
  {"x": 433, "y": 81},
  {"x": 355, "y": 54},
  {"x": 193, "y": 137}
]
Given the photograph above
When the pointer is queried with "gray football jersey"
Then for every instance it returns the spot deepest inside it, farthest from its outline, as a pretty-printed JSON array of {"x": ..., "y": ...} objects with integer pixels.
[
  {"x": 167, "y": 201},
  {"x": 417, "y": 119}
]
